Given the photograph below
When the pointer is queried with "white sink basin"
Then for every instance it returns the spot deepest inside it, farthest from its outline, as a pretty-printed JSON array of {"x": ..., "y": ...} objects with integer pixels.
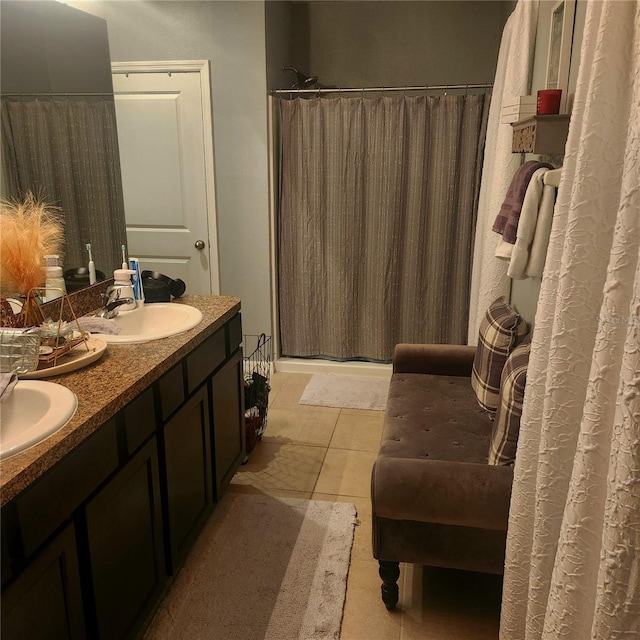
[
  {"x": 34, "y": 411},
  {"x": 152, "y": 322}
]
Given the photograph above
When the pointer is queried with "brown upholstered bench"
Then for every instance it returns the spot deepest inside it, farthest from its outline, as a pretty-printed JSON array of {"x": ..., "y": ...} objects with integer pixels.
[{"x": 435, "y": 500}]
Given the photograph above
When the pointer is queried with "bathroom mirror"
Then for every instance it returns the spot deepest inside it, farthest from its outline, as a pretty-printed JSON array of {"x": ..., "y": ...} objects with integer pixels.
[{"x": 56, "y": 87}]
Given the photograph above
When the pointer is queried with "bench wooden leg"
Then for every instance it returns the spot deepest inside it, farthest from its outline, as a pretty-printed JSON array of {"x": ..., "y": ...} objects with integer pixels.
[{"x": 389, "y": 572}]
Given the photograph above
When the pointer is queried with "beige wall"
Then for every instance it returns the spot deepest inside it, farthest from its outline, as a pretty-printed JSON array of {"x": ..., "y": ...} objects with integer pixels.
[
  {"x": 525, "y": 293},
  {"x": 50, "y": 47},
  {"x": 279, "y": 43},
  {"x": 364, "y": 43},
  {"x": 346, "y": 42},
  {"x": 232, "y": 36}
]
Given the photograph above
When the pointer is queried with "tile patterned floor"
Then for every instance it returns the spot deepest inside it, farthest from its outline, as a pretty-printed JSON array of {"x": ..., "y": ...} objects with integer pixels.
[{"x": 327, "y": 454}]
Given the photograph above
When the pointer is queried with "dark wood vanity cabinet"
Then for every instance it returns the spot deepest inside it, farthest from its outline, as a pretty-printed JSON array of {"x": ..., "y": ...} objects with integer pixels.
[
  {"x": 125, "y": 547},
  {"x": 45, "y": 601},
  {"x": 186, "y": 451},
  {"x": 89, "y": 548},
  {"x": 228, "y": 421},
  {"x": 201, "y": 407}
]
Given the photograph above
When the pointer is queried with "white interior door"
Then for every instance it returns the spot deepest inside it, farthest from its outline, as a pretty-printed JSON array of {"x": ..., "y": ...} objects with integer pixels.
[{"x": 166, "y": 154}]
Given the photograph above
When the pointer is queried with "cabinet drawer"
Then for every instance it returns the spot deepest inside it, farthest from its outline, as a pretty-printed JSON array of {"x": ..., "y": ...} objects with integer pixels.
[
  {"x": 139, "y": 420},
  {"x": 234, "y": 331},
  {"x": 204, "y": 360},
  {"x": 51, "y": 500},
  {"x": 171, "y": 391}
]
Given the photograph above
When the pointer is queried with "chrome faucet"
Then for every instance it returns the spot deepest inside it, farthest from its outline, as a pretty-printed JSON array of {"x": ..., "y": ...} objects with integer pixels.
[{"x": 114, "y": 300}]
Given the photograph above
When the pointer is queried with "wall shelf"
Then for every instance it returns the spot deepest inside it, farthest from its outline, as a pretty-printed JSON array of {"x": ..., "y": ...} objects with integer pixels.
[{"x": 546, "y": 135}]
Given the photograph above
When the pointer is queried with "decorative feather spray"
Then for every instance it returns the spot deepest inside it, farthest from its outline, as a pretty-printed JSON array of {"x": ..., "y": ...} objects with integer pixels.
[{"x": 30, "y": 230}]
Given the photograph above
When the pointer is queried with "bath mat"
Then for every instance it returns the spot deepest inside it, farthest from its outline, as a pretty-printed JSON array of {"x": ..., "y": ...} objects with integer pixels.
[
  {"x": 347, "y": 392},
  {"x": 262, "y": 568}
]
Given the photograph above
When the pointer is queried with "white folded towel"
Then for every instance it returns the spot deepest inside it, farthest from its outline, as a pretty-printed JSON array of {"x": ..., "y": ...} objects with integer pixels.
[
  {"x": 7, "y": 382},
  {"x": 518, "y": 252},
  {"x": 93, "y": 324},
  {"x": 536, "y": 206},
  {"x": 538, "y": 250}
]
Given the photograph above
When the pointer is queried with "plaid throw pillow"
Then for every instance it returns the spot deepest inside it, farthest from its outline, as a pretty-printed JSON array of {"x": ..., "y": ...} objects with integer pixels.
[
  {"x": 500, "y": 330},
  {"x": 506, "y": 427}
]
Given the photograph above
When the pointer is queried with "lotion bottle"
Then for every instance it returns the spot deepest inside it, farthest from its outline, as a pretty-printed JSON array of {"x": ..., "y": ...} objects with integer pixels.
[
  {"x": 55, "y": 285},
  {"x": 122, "y": 281}
]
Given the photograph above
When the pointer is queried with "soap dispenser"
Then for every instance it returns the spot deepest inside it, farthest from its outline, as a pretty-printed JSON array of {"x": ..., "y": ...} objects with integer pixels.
[
  {"x": 122, "y": 281},
  {"x": 54, "y": 286}
]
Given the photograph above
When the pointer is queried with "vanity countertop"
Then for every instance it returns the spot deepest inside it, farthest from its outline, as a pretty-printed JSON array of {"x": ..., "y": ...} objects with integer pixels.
[{"x": 106, "y": 386}]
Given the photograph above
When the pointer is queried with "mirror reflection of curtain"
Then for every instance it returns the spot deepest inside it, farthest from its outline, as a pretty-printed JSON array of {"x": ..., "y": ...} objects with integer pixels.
[
  {"x": 378, "y": 203},
  {"x": 66, "y": 151}
]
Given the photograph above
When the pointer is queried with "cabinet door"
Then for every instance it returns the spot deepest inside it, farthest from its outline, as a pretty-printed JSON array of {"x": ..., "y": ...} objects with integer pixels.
[
  {"x": 228, "y": 420},
  {"x": 125, "y": 544},
  {"x": 187, "y": 458},
  {"x": 45, "y": 602}
]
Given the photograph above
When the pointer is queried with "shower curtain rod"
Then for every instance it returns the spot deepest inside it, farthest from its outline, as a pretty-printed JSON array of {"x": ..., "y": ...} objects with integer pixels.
[{"x": 432, "y": 87}]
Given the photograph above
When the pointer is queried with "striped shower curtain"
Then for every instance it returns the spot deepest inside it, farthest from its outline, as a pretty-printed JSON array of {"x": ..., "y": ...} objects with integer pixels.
[{"x": 377, "y": 212}]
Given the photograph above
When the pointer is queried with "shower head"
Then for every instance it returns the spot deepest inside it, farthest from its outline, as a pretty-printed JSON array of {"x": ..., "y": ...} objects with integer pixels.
[{"x": 303, "y": 81}]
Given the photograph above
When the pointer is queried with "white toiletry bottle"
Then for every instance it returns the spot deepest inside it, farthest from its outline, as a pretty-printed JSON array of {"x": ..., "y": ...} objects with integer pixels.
[
  {"x": 54, "y": 286},
  {"x": 122, "y": 280}
]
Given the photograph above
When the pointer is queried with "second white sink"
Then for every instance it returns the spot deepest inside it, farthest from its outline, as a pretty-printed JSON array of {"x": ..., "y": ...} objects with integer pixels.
[
  {"x": 152, "y": 322},
  {"x": 34, "y": 411}
]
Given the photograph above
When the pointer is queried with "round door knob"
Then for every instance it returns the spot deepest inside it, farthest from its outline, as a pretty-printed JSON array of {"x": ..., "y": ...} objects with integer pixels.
[{"x": 199, "y": 245}]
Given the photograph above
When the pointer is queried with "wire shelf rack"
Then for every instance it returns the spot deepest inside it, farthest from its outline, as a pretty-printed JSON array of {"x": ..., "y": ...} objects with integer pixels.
[{"x": 256, "y": 376}]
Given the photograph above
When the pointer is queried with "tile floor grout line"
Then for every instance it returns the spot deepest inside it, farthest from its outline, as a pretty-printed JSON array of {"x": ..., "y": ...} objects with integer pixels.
[
  {"x": 315, "y": 484},
  {"x": 298, "y": 443}
]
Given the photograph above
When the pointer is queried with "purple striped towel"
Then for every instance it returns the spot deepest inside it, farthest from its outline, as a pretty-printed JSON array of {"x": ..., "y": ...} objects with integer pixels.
[{"x": 506, "y": 222}]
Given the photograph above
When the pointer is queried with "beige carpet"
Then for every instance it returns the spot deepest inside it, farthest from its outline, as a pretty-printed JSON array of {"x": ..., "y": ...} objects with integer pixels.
[
  {"x": 263, "y": 568},
  {"x": 346, "y": 392}
]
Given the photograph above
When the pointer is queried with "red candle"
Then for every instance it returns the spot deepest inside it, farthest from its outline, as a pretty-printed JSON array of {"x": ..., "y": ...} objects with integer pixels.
[{"x": 548, "y": 101}]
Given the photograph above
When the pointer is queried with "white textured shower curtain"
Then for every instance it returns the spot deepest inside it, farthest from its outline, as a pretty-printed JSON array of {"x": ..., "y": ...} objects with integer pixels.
[
  {"x": 513, "y": 79},
  {"x": 573, "y": 552}
]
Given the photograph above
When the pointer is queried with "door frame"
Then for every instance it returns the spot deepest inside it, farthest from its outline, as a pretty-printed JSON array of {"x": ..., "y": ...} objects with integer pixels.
[{"x": 203, "y": 68}]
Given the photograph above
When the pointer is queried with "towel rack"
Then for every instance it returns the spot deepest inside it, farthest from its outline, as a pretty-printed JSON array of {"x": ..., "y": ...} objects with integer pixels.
[{"x": 552, "y": 177}]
